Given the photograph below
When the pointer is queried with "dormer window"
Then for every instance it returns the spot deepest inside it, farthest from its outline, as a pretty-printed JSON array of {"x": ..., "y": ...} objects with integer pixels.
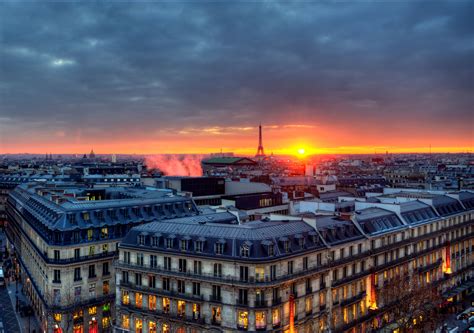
[
  {"x": 286, "y": 246},
  {"x": 71, "y": 218},
  {"x": 113, "y": 214},
  {"x": 141, "y": 239},
  {"x": 99, "y": 215},
  {"x": 183, "y": 244},
  {"x": 148, "y": 210},
  {"x": 85, "y": 216},
  {"x": 169, "y": 242},
  {"x": 219, "y": 247},
  {"x": 155, "y": 240},
  {"x": 271, "y": 250},
  {"x": 244, "y": 251},
  {"x": 300, "y": 239},
  {"x": 199, "y": 246},
  {"x": 136, "y": 211}
]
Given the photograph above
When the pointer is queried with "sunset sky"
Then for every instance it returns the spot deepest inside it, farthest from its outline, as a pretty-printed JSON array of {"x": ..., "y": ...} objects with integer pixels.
[{"x": 184, "y": 78}]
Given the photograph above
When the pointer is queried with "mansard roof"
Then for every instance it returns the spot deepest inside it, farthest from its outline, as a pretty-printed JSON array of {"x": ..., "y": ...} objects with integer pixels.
[
  {"x": 467, "y": 199},
  {"x": 446, "y": 205},
  {"x": 58, "y": 208},
  {"x": 377, "y": 220},
  {"x": 414, "y": 212},
  {"x": 335, "y": 230},
  {"x": 284, "y": 237}
]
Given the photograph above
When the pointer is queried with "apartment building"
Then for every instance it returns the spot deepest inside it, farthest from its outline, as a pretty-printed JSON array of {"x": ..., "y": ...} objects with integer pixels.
[
  {"x": 208, "y": 274},
  {"x": 65, "y": 241}
]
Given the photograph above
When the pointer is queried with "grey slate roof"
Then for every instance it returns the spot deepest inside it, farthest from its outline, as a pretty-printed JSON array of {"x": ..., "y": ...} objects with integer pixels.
[
  {"x": 257, "y": 235},
  {"x": 335, "y": 230},
  {"x": 467, "y": 199},
  {"x": 377, "y": 220},
  {"x": 414, "y": 212},
  {"x": 69, "y": 215}
]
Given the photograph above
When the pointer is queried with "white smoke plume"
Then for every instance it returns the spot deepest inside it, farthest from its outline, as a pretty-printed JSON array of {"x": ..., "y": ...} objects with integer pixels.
[{"x": 176, "y": 165}]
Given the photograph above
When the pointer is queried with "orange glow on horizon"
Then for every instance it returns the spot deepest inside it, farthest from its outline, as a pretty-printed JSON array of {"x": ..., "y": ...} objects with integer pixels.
[{"x": 296, "y": 140}]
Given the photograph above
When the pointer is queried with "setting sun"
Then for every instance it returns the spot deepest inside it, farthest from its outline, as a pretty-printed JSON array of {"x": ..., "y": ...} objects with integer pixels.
[{"x": 301, "y": 151}]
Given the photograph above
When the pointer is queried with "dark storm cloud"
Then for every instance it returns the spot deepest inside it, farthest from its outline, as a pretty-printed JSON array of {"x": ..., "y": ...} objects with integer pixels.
[{"x": 92, "y": 66}]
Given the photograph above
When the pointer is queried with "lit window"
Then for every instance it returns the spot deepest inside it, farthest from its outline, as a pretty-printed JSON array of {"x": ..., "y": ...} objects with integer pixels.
[
  {"x": 138, "y": 325},
  {"x": 276, "y": 317},
  {"x": 57, "y": 317},
  {"x": 90, "y": 234},
  {"x": 181, "y": 308},
  {"x": 105, "y": 322},
  {"x": 260, "y": 320},
  {"x": 166, "y": 305},
  {"x": 125, "y": 297},
  {"x": 243, "y": 320},
  {"x": 105, "y": 288},
  {"x": 259, "y": 273},
  {"x": 138, "y": 300},
  {"x": 152, "y": 302},
  {"x": 93, "y": 310},
  {"x": 125, "y": 322},
  {"x": 152, "y": 327}
]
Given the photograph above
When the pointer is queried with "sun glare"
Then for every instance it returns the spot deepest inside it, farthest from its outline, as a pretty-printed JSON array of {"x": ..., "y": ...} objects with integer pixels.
[{"x": 301, "y": 151}]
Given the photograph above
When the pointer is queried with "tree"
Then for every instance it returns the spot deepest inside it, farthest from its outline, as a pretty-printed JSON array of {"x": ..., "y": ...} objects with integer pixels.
[{"x": 411, "y": 302}]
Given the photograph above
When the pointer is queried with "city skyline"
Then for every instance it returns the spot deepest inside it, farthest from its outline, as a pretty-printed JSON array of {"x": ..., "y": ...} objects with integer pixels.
[{"x": 184, "y": 78}]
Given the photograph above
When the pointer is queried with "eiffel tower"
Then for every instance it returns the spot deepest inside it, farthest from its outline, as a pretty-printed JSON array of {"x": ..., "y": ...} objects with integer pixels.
[{"x": 260, "y": 152}]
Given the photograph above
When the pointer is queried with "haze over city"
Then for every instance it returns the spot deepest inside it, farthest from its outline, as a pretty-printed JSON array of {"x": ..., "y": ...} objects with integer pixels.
[{"x": 196, "y": 78}]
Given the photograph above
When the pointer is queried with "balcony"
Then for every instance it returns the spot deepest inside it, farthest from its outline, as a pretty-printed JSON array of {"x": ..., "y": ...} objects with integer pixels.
[
  {"x": 161, "y": 292},
  {"x": 429, "y": 267},
  {"x": 83, "y": 303},
  {"x": 260, "y": 303},
  {"x": 353, "y": 299},
  {"x": 103, "y": 255},
  {"x": 215, "y": 298},
  {"x": 276, "y": 301},
  {"x": 241, "y": 302}
]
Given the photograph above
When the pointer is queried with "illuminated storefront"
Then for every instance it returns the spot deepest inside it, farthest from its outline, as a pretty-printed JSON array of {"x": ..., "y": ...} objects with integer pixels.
[
  {"x": 276, "y": 318},
  {"x": 260, "y": 320},
  {"x": 93, "y": 325},
  {"x": 243, "y": 320}
]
